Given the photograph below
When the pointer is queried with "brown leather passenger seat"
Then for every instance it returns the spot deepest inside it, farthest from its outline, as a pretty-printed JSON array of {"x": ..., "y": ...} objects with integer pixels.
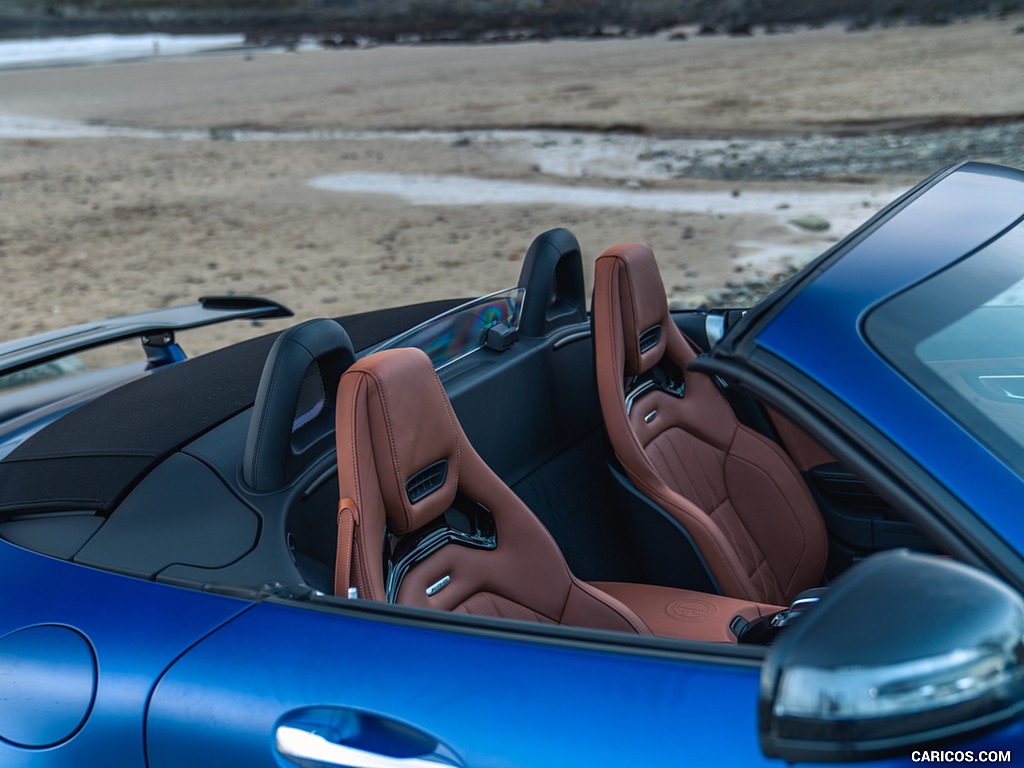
[
  {"x": 403, "y": 464},
  {"x": 735, "y": 492},
  {"x": 423, "y": 521}
]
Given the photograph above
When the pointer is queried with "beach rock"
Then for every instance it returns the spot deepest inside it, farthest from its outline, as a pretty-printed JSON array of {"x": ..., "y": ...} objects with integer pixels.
[{"x": 812, "y": 223}]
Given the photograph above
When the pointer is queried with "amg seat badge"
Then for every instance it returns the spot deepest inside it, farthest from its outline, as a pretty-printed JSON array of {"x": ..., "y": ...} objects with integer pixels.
[{"x": 437, "y": 586}]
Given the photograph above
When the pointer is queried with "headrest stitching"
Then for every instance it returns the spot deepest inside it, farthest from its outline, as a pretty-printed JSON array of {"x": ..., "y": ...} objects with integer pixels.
[
  {"x": 632, "y": 300},
  {"x": 392, "y": 448},
  {"x": 358, "y": 497}
]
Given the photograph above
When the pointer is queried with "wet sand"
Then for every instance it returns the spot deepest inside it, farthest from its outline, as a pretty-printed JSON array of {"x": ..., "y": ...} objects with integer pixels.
[{"x": 113, "y": 224}]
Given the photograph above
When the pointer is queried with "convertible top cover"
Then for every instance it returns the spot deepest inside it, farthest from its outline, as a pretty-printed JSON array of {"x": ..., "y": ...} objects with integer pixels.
[{"x": 92, "y": 457}]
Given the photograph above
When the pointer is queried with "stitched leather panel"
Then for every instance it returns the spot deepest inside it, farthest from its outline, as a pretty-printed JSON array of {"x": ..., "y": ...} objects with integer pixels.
[
  {"x": 683, "y": 613},
  {"x": 496, "y": 606},
  {"x": 696, "y": 471},
  {"x": 777, "y": 510},
  {"x": 692, "y": 468},
  {"x": 753, "y": 559}
]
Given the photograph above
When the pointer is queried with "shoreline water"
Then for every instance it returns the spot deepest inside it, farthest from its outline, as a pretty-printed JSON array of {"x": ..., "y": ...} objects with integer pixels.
[{"x": 58, "y": 51}]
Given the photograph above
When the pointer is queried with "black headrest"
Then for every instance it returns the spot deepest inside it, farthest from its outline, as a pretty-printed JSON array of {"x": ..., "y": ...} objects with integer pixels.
[
  {"x": 552, "y": 275},
  {"x": 293, "y": 416}
]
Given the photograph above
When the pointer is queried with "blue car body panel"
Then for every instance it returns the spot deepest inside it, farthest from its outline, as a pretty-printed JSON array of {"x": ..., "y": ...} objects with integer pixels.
[
  {"x": 495, "y": 701},
  {"x": 819, "y": 332},
  {"x": 136, "y": 629}
]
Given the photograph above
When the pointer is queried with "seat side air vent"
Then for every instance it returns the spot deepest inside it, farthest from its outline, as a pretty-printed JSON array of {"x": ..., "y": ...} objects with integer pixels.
[
  {"x": 426, "y": 481},
  {"x": 649, "y": 339}
]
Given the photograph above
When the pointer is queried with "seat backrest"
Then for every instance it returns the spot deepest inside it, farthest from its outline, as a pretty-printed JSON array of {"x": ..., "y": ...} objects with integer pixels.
[
  {"x": 432, "y": 525},
  {"x": 735, "y": 492}
]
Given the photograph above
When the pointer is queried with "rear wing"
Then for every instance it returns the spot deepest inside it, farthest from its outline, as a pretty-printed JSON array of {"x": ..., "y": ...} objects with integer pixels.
[{"x": 155, "y": 328}]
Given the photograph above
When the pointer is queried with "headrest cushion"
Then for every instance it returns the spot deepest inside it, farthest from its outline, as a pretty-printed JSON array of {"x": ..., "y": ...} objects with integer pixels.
[
  {"x": 642, "y": 303},
  {"x": 413, "y": 433}
]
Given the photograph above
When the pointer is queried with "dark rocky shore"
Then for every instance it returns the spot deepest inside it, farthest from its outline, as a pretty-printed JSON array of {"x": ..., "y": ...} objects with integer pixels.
[
  {"x": 912, "y": 151},
  {"x": 341, "y": 22}
]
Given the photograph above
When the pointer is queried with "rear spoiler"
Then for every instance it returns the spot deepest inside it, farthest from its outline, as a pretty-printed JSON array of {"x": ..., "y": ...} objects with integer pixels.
[{"x": 155, "y": 328}]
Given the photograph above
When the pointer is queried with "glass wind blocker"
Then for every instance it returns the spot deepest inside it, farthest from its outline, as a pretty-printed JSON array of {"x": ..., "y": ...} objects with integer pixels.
[{"x": 463, "y": 330}]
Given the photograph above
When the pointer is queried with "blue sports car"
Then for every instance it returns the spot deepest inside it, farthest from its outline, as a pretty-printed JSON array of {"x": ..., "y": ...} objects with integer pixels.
[{"x": 518, "y": 531}]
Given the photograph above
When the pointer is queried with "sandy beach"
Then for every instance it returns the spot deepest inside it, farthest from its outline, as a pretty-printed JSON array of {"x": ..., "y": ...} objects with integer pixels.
[{"x": 132, "y": 186}]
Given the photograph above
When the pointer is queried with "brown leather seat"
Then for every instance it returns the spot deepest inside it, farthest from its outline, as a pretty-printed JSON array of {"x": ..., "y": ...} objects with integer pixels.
[
  {"x": 457, "y": 538},
  {"x": 736, "y": 493}
]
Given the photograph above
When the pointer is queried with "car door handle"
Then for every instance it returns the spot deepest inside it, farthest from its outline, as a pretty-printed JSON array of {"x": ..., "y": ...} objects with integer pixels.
[{"x": 305, "y": 746}]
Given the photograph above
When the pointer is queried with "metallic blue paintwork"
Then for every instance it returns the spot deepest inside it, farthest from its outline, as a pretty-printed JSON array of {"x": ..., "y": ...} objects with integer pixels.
[
  {"x": 48, "y": 685},
  {"x": 136, "y": 628},
  {"x": 819, "y": 332},
  {"x": 495, "y": 702}
]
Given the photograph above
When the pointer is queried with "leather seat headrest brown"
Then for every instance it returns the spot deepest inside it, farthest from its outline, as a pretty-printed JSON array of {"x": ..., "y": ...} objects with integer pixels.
[
  {"x": 644, "y": 305},
  {"x": 418, "y": 461}
]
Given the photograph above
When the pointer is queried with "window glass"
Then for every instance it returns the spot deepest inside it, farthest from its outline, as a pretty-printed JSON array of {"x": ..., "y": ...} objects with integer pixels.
[{"x": 959, "y": 337}]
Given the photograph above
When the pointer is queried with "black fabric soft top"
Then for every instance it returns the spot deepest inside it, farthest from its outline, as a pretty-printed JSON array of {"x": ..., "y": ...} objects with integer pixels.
[{"x": 92, "y": 457}]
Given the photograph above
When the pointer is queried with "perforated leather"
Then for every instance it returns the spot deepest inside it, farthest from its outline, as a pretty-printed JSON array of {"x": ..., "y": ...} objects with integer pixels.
[{"x": 489, "y": 604}]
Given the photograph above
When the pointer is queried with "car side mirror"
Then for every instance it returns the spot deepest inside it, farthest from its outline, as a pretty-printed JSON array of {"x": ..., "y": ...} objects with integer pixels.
[{"x": 905, "y": 651}]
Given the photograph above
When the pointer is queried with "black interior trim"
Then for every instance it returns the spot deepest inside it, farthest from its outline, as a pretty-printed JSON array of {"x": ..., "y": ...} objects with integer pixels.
[
  {"x": 275, "y": 450},
  {"x": 93, "y": 456},
  {"x": 552, "y": 275}
]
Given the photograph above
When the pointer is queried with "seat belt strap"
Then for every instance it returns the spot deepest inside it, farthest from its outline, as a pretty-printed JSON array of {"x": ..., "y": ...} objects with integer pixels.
[{"x": 346, "y": 536}]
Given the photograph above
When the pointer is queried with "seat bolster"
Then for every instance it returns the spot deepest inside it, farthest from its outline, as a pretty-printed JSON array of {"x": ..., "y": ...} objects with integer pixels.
[
  {"x": 776, "y": 508},
  {"x": 357, "y": 478},
  {"x": 588, "y": 606},
  {"x": 710, "y": 540},
  {"x": 807, "y": 452},
  {"x": 684, "y": 614}
]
